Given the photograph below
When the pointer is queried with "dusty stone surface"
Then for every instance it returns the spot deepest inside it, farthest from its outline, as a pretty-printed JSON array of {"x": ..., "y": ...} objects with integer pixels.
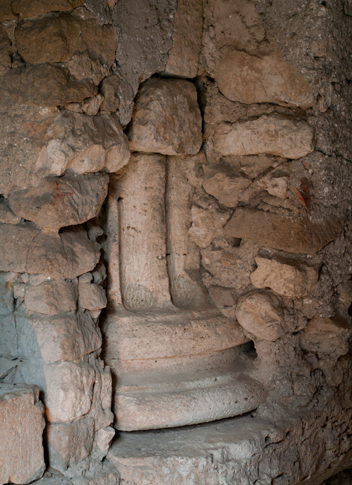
[
  {"x": 166, "y": 118},
  {"x": 51, "y": 297},
  {"x": 287, "y": 278},
  {"x": 326, "y": 336},
  {"x": 38, "y": 7},
  {"x": 6, "y": 214},
  {"x": 291, "y": 234},
  {"x": 91, "y": 297},
  {"x": 28, "y": 250},
  {"x": 273, "y": 135},
  {"x": 186, "y": 39},
  {"x": 22, "y": 423},
  {"x": 261, "y": 314},
  {"x": 61, "y": 201},
  {"x": 250, "y": 79},
  {"x": 225, "y": 188}
]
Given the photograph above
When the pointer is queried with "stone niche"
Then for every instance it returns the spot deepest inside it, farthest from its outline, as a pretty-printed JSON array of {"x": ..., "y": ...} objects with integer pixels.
[{"x": 176, "y": 242}]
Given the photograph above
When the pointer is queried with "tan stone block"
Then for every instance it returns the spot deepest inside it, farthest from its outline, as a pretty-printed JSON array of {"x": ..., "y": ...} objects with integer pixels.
[
  {"x": 51, "y": 297},
  {"x": 27, "y": 250},
  {"x": 38, "y": 7},
  {"x": 6, "y": 214},
  {"x": 288, "y": 233},
  {"x": 91, "y": 297},
  {"x": 269, "y": 79},
  {"x": 326, "y": 336},
  {"x": 287, "y": 278},
  {"x": 202, "y": 230},
  {"x": 21, "y": 430},
  {"x": 261, "y": 315},
  {"x": 225, "y": 188},
  {"x": 166, "y": 118},
  {"x": 274, "y": 135},
  {"x": 61, "y": 201},
  {"x": 186, "y": 39},
  {"x": 82, "y": 66}
]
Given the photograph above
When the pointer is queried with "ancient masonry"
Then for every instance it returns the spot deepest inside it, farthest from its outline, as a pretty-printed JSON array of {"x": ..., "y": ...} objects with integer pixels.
[{"x": 175, "y": 242}]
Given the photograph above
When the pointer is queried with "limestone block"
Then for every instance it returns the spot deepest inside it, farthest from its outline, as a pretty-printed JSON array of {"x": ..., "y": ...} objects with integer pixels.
[
  {"x": 84, "y": 144},
  {"x": 42, "y": 85},
  {"x": 6, "y": 214},
  {"x": 203, "y": 230},
  {"x": 91, "y": 297},
  {"x": 8, "y": 337},
  {"x": 225, "y": 188},
  {"x": 21, "y": 430},
  {"x": 166, "y": 118},
  {"x": 69, "y": 443},
  {"x": 68, "y": 337},
  {"x": 292, "y": 234},
  {"x": 82, "y": 66},
  {"x": 326, "y": 335},
  {"x": 57, "y": 38},
  {"x": 6, "y": 294},
  {"x": 103, "y": 438},
  {"x": 100, "y": 408},
  {"x": 287, "y": 278},
  {"x": 51, "y": 297},
  {"x": 261, "y": 314},
  {"x": 109, "y": 91},
  {"x": 38, "y": 7},
  {"x": 269, "y": 79},
  {"x": 27, "y": 250},
  {"x": 251, "y": 165},
  {"x": 61, "y": 201},
  {"x": 274, "y": 135},
  {"x": 186, "y": 39},
  {"x": 67, "y": 387}
]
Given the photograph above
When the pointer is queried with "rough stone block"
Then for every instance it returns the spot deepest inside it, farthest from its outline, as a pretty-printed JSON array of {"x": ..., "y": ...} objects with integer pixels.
[
  {"x": 225, "y": 188},
  {"x": 166, "y": 118},
  {"x": 39, "y": 7},
  {"x": 326, "y": 336},
  {"x": 8, "y": 336},
  {"x": 288, "y": 233},
  {"x": 269, "y": 79},
  {"x": 51, "y": 297},
  {"x": 274, "y": 135},
  {"x": 6, "y": 214},
  {"x": 21, "y": 430},
  {"x": 6, "y": 294},
  {"x": 91, "y": 297}
]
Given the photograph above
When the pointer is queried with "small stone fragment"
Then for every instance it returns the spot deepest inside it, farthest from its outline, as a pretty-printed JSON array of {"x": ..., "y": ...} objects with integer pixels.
[
  {"x": 203, "y": 230},
  {"x": 61, "y": 201},
  {"x": 289, "y": 278},
  {"x": 269, "y": 79},
  {"x": 261, "y": 314},
  {"x": 109, "y": 91},
  {"x": 326, "y": 335},
  {"x": 21, "y": 428},
  {"x": 288, "y": 233},
  {"x": 274, "y": 135},
  {"x": 92, "y": 106},
  {"x": 91, "y": 297},
  {"x": 82, "y": 66},
  {"x": 6, "y": 214},
  {"x": 166, "y": 118},
  {"x": 8, "y": 337},
  {"x": 225, "y": 188},
  {"x": 51, "y": 297}
]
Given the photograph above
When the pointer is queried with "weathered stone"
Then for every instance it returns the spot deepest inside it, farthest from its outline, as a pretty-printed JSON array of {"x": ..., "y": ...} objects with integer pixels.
[
  {"x": 68, "y": 337},
  {"x": 51, "y": 297},
  {"x": 38, "y": 7},
  {"x": 69, "y": 443},
  {"x": 6, "y": 214},
  {"x": 57, "y": 38},
  {"x": 326, "y": 335},
  {"x": 225, "y": 188},
  {"x": 42, "y": 85},
  {"x": 61, "y": 201},
  {"x": 27, "y": 250},
  {"x": 82, "y": 66},
  {"x": 92, "y": 106},
  {"x": 84, "y": 144},
  {"x": 269, "y": 79},
  {"x": 5, "y": 58},
  {"x": 287, "y": 278},
  {"x": 67, "y": 387},
  {"x": 8, "y": 337},
  {"x": 251, "y": 165},
  {"x": 103, "y": 438},
  {"x": 186, "y": 39},
  {"x": 6, "y": 12},
  {"x": 6, "y": 294},
  {"x": 275, "y": 135},
  {"x": 109, "y": 91},
  {"x": 21, "y": 428},
  {"x": 91, "y": 297},
  {"x": 288, "y": 233},
  {"x": 203, "y": 230},
  {"x": 261, "y": 314},
  {"x": 166, "y": 118}
]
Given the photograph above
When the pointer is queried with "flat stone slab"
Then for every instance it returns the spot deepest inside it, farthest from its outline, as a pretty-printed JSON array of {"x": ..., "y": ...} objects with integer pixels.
[{"x": 277, "y": 448}]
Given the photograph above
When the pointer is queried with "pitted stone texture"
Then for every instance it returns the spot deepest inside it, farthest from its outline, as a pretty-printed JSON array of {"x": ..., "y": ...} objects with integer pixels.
[
  {"x": 21, "y": 428},
  {"x": 274, "y": 135},
  {"x": 186, "y": 39},
  {"x": 60, "y": 338},
  {"x": 166, "y": 118},
  {"x": 269, "y": 79},
  {"x": 91, "y": 297},
  {"x": 326, "y": 336},
  {"x": 51, "y": 297},
  {"x": 226, "y": 188},
  {"x": 38, "y": 7},
  {"x": 56, "y": 38},
  {"x": 27, "y": 250},
  {"x": 288, "y": 278},
  {"x": 61, "y": 201},
  {"x": 288, "y": 233},
  {"x": 261, "y": 315}
]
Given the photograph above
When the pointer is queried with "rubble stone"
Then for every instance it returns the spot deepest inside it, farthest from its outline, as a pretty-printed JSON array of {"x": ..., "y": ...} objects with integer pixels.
[
  {"x": 225, "y": 188},
  {"x": 202, "y": 231},
  {"x": 21, "y": 427},
  {"x": 6, "y": 294},
  {"x": 326, "y": 336},
  {"x": 39, "y": 7},
  {"x": 91, "y": 297},
  {"x": 166, "y": 118},
  {"x": 287, "y": 278},
  {"x": 274, "y": 135},
  {"x": 288, "y": 233},
  {"x": 51, "y": 297}
]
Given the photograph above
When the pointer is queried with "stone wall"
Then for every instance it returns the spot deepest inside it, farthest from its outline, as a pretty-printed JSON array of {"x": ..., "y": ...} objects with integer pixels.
[{"x": 229, "y": 223}]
